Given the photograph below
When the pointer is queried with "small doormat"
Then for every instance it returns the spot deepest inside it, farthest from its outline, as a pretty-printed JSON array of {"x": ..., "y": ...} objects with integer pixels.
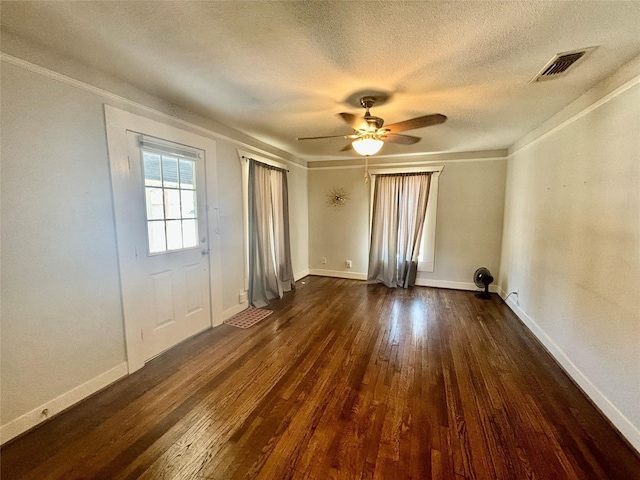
[{"x": 248, "y": 318}]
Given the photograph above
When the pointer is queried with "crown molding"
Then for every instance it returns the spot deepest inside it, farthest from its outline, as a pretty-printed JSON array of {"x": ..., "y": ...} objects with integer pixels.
[
  {"x": 45, "y": 72},
  {"x": 577, "y": 116}
]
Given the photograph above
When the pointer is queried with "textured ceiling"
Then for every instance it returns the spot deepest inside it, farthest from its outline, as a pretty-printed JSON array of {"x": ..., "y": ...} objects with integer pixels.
[{"x": 281, "y": 70}]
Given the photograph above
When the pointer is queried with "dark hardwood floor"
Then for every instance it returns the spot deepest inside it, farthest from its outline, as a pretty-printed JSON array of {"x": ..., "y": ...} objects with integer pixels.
[{"x": 345, "y": 380}]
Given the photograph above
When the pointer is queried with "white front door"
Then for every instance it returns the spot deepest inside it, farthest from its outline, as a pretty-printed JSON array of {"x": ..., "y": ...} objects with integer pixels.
[
  {"x": 171, "y": 243},
  {"x": 170, "y": 284}
]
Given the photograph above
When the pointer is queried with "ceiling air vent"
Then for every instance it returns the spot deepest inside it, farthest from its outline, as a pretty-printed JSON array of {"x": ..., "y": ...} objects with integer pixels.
[{"x": 560, "y": 64}]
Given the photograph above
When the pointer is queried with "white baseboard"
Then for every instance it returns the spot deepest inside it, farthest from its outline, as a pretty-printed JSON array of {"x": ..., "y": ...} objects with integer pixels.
[
  {"x": 421, "y": 282},
  {"x": 302, "y": 274},
  {"x": 234, "y": 310},
  {"x": 425, "y": 282},
  {"x": 338, "y": 274},
  {"x": 30, "y": 419},
  {"x": 630, "y": 431}
]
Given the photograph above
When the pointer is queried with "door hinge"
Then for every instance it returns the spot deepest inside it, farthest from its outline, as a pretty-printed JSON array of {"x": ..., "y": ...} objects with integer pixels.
[
  {"x": 129, "y": 162},
  {"x": 141, "y": 335},
  {"x": 136, "y": 250}
]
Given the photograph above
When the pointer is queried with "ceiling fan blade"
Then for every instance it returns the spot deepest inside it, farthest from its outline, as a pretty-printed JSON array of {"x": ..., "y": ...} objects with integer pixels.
[
  {"x": 402, "y": 139},
  {"x": 327, "y": 136},
  {"x": 346, "y": 148},
  {"x": 418, "y": 122},
  {"x": 354, "y": 121}
]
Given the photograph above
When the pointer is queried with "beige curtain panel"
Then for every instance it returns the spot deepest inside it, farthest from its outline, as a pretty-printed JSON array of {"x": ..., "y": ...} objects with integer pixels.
[
  {"x": 270, "y": 270},
  {"x": 399, "y": 211}
]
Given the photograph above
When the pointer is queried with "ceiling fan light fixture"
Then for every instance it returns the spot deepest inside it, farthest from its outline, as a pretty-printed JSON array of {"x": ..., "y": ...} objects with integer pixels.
[
  {"x": 367, "y": 146},
  {"x": 368, "y": 134}
]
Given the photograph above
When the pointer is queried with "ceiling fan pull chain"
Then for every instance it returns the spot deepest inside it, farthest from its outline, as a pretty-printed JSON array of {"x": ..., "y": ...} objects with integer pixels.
[{"x": 366, "y": 169}]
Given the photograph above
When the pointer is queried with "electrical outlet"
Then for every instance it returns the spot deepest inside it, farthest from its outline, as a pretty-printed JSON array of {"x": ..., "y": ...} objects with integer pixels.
[
  {"x": 323, "y": 260},
  {"x": 349, "y": 264}
]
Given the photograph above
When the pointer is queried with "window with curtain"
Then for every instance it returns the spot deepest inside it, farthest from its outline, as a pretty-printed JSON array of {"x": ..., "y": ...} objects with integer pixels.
[
  {"x": 398, "y": 219},
  {"x": 270, "y": 269}
]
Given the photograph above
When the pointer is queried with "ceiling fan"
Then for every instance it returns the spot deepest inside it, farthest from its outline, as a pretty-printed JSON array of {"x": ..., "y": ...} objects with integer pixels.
[{"x": 370, "y": 134}]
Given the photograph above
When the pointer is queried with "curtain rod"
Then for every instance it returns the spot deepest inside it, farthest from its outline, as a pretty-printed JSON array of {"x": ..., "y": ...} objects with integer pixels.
[{"x": 272, "y": 166}]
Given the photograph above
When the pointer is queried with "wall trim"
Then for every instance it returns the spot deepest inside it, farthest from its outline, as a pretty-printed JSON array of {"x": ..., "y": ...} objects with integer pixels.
[
  {"x": 427, "y": 282},
  {"x": 57, "y": 405},
  {"x": 301, "y": 274},
  {"x": 230, "y": 312},
  {"x": 598, "y": 103},
  {"x": 408, "y": 164},
  {"x": 32, "y": 67},
  {"x": 440, "y": 155},
  {"x": 338, "y": 274},
  {"x": 420, "y": 282},
  {"x": 627, "y": 429}
]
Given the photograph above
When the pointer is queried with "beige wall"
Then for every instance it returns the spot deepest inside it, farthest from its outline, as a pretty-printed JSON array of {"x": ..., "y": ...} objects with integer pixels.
[
  {"x": 469, "y": 220},
  {"x": 62, "y": 320},
  {"x": 339, "y": 234},
  {"x": 572, "y": 246},
  {"x": 60, "y": 297}
]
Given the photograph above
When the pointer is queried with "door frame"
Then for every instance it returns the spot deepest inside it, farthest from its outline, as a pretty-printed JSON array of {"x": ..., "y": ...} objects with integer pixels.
[{"x": 118, "y": 123}]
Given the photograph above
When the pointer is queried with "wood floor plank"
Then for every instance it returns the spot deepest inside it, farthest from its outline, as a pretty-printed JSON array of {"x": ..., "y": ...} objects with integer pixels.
[{"x": 343, "y": 381}]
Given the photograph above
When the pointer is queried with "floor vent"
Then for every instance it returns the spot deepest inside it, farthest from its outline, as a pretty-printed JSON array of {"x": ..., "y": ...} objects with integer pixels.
[{"x": 560, "y": 64}]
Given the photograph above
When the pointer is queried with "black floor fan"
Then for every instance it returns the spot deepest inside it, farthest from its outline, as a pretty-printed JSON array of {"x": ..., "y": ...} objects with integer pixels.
[{"x": 483, "y": 278}]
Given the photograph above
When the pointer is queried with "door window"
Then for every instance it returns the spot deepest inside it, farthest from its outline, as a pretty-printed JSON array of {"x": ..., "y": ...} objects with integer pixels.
[{"x": 170, "y": 196}]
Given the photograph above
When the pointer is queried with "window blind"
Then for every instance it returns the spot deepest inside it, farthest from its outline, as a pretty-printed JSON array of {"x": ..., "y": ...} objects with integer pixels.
[{"x": 162, "y": 146}]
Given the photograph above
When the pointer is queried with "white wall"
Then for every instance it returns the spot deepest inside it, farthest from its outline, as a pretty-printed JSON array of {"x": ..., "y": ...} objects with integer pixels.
[
  {"x": 60, "y": 297},
  {"x": 62, "y": 320},
  {"x": 469, "y": 220},
  {"x": 572, "y": 244}
]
